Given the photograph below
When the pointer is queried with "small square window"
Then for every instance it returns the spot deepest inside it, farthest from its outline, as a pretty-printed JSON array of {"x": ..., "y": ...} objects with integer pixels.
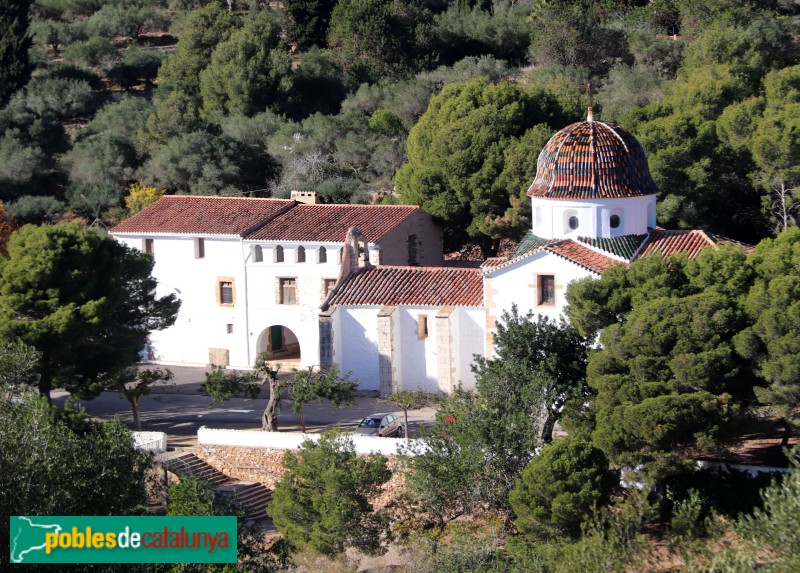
[
  {"x": 287, "y": 291},
  {"x": 547, "y": 289},
  {"x": 199, "y": 248},
  {"x": 229, "y": 328},
  {"x": 225, "y": 292},
  {"x": 148, "y": 247}
]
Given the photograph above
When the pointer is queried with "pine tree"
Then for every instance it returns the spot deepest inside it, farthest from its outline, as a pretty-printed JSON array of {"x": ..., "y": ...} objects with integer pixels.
[{"x": 15, "y": 66}]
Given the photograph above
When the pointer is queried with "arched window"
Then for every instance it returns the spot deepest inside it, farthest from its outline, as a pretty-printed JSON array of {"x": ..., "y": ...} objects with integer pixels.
[
  {"x": 301, "y": 254},
  {"x": 258, "y": 254},
  {"x": 278, "y": 254},
  {"x": 572, "y": 222},
  {"x": 341, "y": 251},
  {"x": 323, "y": 255}
]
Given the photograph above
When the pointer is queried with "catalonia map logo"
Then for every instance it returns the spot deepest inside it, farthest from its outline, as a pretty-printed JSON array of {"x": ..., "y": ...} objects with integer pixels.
[{"x": 118, "y": 539}]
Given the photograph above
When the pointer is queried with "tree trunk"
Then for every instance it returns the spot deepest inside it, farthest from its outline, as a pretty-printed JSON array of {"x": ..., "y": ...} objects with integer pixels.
[
  {"x": 787, "y": 432},
  {"x": 135, "y": 407},
  {"x": 45, "y": 383},
  {"x": 547, "y": 428},
  {"x": 489, "y": 247},
  {"x": 660, "y": 495},
  {"x": 405, "y": 414},
  {"x": 302, "y": 419},
  {"x": 269, "y": 420}
]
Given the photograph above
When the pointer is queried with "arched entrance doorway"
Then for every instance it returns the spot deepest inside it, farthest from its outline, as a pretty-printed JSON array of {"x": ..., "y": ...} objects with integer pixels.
[{"x": 280, "y": 344}]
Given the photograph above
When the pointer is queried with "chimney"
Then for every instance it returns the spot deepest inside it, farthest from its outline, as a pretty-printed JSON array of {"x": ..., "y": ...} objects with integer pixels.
[{"x": 307, "y": 197}]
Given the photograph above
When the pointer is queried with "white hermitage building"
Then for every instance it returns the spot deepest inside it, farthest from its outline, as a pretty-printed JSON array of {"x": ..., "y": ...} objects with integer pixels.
[{"x": 364, "y": 286}]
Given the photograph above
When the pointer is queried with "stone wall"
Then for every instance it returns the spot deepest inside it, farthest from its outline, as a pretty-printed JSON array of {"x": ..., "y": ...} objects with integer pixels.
[{"x": 265, "y": 465}]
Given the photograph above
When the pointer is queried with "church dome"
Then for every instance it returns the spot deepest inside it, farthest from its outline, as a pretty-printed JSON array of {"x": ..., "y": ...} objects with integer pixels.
[{"x": 592, "y": 160}]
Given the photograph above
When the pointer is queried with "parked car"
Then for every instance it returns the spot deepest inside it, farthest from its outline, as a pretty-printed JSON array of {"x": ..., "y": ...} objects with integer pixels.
[{"x": 383, "y": 425}]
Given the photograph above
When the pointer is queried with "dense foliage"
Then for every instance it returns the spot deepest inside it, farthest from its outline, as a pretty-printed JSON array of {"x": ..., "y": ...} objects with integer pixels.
[
  {"x": 561, "y": 487},
  {"x": 323, "y": 499},
  {"x": 62, "y": 463},
  {"x": 463, "y": 163},
  {"x": 483, "y": 440},
  {"x": 85, "y": 301},
  {"x": 15, "y": 42},
  {"x": 241, "y": 97}
]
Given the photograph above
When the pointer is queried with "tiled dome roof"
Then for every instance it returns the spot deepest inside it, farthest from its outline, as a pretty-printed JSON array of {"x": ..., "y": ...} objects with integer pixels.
[{"x": 592, "y": 160}]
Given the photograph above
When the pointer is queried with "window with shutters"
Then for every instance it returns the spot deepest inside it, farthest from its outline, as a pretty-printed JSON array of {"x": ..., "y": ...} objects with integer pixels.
[
  {"x": 225, "y": 292},
  {"x": 287, "y": 291},
  {"x": 547, "y": 289}
]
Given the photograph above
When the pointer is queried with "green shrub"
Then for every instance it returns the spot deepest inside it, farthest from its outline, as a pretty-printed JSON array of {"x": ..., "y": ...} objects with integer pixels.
[
  {"x": 35, "y": 208},
  {"x": 92, "y": 52},
  {"x": 63, "y": 98},
  {"x": 561, "y": 487}
]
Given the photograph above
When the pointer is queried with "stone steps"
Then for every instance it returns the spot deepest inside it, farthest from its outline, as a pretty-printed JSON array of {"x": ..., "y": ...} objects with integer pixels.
[{"x": 252, "y": 496}]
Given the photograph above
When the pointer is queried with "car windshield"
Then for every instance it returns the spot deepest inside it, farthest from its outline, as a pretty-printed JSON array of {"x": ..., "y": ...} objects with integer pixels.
[{"x": 370, "y": 423}]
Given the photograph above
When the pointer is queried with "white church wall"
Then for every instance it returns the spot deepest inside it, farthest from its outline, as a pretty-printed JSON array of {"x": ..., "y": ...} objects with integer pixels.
[
  {"x": 357, "y": 328},
  {"x": 266, "y": 307},
  {"x": 417, "y": 354},
  {"x": 518, "y": 284},
  {"x": 551, "y": 217},
  {"x": 469, "y": 337},
  {"x": 203, "y": 322}
]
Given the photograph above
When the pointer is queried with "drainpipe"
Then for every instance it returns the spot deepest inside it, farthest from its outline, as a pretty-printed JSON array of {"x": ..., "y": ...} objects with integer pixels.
[{"x": 245, "y": 259}]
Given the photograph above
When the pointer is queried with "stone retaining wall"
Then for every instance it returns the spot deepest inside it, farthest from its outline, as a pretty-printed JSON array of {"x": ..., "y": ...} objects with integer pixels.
[{"x": 265, "y": 465}]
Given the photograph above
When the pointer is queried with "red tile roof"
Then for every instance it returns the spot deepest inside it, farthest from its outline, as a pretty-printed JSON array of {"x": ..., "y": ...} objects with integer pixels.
[
  {"x": 331, "y": 222},
  {"x": 265, "y": 219},
  {"x": 422, "y": 286},
  {"x": 582, "y": 256},
  {"x": 205, "y": 215},
  {"x": 493, "y": 262},
  {"x": 668, "y": 243}
]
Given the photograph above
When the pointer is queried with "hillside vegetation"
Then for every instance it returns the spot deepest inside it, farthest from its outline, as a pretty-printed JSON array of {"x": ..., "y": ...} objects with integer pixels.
[{"x": 436, "y": 102}]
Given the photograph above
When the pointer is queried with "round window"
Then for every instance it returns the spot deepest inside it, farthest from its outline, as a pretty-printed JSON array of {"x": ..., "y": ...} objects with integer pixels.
[
  {"x": 573, "y": 222},
  {"x": 614, "y": 221}
]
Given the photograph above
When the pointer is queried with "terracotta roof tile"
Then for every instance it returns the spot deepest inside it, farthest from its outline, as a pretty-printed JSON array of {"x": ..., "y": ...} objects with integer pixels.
[
  {"x": 331, "y": 222},
  {"x": 204, "y": 215},
  {"x": 668, "y": 243},
  {"x": 423, "y": 286},
  {"x": 581, "y": 255},
  {"x": 592, "y": 160},
  {"x": 493, "y": 262}
]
